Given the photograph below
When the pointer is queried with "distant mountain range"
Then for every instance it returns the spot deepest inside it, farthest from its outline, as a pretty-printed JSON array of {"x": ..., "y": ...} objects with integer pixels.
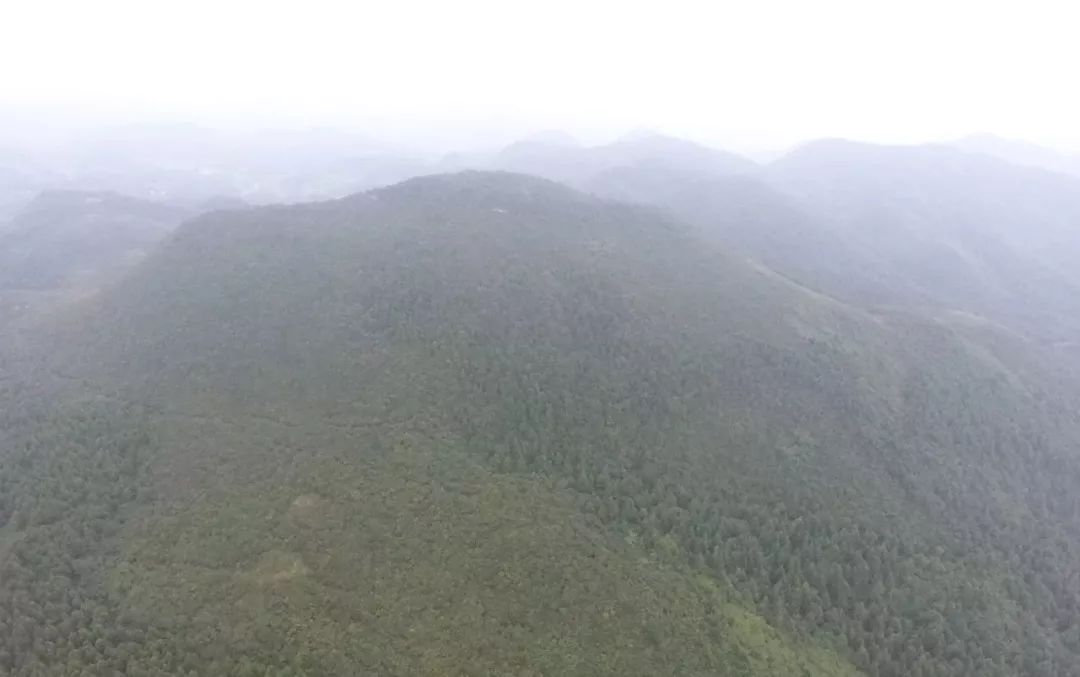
[
  {"x": 922, "y": 227},
  {"x": 1021, "y": 153},
  {"x": 574, "y": 164}
]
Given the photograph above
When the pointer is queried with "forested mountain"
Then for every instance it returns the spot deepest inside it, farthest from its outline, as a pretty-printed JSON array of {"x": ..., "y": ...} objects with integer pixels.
[
  {"x": 927, "y": 228},
  {"x": 63, "y": 247},
  {"x": 485, "y": 424},
  {"x": 946, "y": 228},
  {"x": 557, "y": 159},
  {"x": 75, "y": 238},
  {"x": 748, "y": 216}
]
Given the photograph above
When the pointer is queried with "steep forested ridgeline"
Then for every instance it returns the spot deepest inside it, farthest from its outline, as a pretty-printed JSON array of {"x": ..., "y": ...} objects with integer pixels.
[
  {"x": 959, "y": 230},
  {"x": 923, "y": 227},
  {"x": 888, "y": 490},
  {"x": 744, "y": 214}
]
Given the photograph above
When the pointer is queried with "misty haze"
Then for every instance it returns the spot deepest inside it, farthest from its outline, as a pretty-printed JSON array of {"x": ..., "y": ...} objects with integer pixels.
[{"x": 580, "y": 339}]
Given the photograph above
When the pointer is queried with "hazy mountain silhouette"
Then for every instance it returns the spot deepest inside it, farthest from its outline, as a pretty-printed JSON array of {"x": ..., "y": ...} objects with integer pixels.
[
  {"x": 73, "y": 238},
  {"x": 577, "y": 165},
  {"x": 920, "y": 227},
  {"x": 1020, "y": 153},
  {"x": 939, "y": 227}
]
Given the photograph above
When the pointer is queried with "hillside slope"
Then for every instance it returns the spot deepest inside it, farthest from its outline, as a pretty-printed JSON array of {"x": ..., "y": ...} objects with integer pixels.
[
  {"x": 323, "y": 551},
  {"x": 939, "y": 227},
  {"x": 745, "y": 214},
  {"x": 924, "y": 228},
  {"x": 462, "y": 366},
  {"x": 73, "y": 238}
]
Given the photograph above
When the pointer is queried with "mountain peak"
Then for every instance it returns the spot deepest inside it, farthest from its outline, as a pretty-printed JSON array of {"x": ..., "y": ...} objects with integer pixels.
[{"x": 476, "y": 185}]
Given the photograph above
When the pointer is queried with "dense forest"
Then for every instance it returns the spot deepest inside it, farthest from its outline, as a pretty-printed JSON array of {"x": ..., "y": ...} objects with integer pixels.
[{"x": 485, "y": 424}]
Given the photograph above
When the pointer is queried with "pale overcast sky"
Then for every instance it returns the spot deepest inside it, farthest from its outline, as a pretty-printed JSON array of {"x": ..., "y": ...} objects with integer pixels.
[{"x": 746, "y": 73}]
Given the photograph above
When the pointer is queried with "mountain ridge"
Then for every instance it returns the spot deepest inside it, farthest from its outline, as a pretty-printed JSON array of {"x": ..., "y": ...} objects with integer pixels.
[{"x": 866, "y": 489}]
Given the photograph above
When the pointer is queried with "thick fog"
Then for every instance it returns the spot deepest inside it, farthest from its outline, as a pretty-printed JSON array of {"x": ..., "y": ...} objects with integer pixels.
[{"x": 751, "y": 77}]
